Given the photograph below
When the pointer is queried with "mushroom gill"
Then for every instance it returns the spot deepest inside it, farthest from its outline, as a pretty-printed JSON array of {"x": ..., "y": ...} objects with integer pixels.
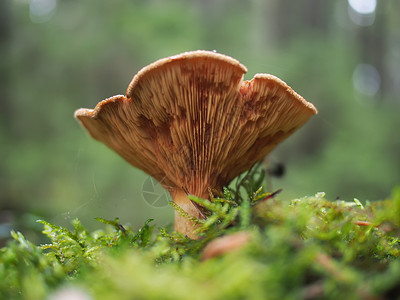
[{"x": 192, "y": 123}]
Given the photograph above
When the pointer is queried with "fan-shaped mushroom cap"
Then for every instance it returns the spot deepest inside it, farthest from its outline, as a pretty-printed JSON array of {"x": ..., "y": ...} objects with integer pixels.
[{"x": 191, "y": 122}]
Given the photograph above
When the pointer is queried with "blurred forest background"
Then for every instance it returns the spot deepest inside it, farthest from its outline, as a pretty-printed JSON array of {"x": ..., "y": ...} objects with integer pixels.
[{"x": 60, "y": 55}]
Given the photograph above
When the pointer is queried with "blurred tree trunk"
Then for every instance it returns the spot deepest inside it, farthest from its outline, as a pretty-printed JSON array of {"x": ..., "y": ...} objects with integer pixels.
[
  {"x": 293, "y": 18},
  {"x": 372, "y": 43},
  {"x": 5, "y": 93},
  {"x": 5, "y": 40}
]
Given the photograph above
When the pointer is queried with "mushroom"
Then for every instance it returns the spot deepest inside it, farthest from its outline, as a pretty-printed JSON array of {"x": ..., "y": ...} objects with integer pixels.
[{"x": 192, "y": 123}]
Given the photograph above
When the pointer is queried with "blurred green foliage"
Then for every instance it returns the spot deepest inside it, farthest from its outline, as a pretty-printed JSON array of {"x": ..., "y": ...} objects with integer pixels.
[
  {"x": 308, "y": 248},
  {"x": 72, "y": 54}
]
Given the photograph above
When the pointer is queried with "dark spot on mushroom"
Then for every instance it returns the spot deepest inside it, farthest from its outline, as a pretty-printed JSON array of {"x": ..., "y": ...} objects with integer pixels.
[{"x": 273, "y": 98}]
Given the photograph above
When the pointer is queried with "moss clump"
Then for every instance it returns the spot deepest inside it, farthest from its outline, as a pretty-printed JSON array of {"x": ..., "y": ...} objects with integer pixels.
[{"x": 308, "y": 248}]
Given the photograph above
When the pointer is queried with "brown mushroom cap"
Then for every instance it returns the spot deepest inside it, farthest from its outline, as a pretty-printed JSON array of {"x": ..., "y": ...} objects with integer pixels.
[{"x": 191, "y": 122}]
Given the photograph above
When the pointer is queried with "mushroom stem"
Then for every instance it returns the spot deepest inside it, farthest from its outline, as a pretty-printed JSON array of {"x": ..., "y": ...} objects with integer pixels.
[{"x": 182, "y": 224}]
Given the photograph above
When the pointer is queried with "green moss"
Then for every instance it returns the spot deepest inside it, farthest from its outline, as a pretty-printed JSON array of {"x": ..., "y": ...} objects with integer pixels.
[{"x": 308, "y": 248}]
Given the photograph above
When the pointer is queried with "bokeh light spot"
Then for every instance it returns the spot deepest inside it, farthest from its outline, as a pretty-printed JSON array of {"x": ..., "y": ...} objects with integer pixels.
[
  {"x": 362, "y": 12},
  {"x": 41, "y": 11},
  {"x": 366, "y": 79},
  {"x": 363, "y": 6}
]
